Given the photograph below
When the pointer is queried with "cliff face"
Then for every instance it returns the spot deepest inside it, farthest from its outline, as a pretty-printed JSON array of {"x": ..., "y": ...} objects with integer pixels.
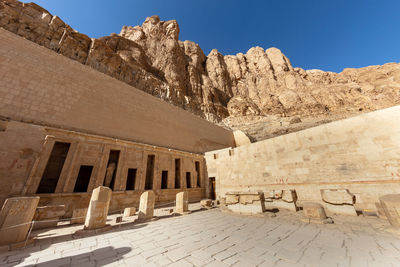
[{"x": 246, "y": 90}]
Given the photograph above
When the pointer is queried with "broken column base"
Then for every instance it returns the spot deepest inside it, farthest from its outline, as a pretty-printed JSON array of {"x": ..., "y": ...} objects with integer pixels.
[
  {"x": 206, "y": 203},
  {"x": 87, "y": 232},
  {"x": 315, "y": 213}
]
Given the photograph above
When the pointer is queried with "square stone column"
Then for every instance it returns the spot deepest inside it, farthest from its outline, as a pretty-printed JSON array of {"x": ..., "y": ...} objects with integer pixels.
[
  {"x": 96, "y": 216},
  {"x": 146, "y": 206},
  {"x": 15, "y": 219},
  {"x": 182, "y": 203}
]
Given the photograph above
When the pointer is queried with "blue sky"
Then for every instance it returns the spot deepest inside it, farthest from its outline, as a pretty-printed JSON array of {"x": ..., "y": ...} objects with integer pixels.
[{"x": 313, "y": 34}]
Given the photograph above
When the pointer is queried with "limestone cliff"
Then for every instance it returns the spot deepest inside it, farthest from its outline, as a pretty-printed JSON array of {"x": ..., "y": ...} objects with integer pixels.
[{"x": 259, "y": 92}]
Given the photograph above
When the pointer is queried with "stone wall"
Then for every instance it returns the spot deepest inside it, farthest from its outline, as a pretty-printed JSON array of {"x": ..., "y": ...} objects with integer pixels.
[
  {"x": 361, "y": 154},
  {"x": 39, "y": 86},
  {"x": 26, "y": 151}
]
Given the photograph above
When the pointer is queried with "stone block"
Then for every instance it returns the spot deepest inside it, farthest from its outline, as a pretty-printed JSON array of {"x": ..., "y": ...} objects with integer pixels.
[
  {"x": 391, "y": 207},
  {"x": 314, "y": 211},
  {"x": 79, "y": 216},
  {"x": 341, "y": 209},
  {"x": 247, "y": 202},
  {"x": 338, "y": 196},
  {"x": 15, "y": 219},
  {"x": 231, "y": 199},
  {"x": 380, "y": 210},
  {"x": 206, "y": 203},
  {"x": 182, "y": 203},
  {"x": 48, "y": 216},
  {"x": 48, "y": 212},
  {"x": 146, "y": 206},
  {"x": 129, "y": 211},
  {"x": 222, "y": 201},
  {"x": 289, "y": 196},
  {"x": 96, "y": 216},
  {"x": 273, "y": 194}
]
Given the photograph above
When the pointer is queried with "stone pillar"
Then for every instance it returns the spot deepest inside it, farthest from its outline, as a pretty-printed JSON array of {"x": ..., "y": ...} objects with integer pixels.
[
  {"x": 96, "y": 216},
  {"x": 182, "y": 203},
  {"x": 146, "y": 206},
  {"x": 391, "y": 207},
  {"x": 15, "y": 219},
  {"x": 109, "y": 174}
]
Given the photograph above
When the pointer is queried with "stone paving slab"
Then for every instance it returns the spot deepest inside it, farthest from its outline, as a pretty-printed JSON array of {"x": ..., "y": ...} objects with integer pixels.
[{"x": 215, "y": 238}]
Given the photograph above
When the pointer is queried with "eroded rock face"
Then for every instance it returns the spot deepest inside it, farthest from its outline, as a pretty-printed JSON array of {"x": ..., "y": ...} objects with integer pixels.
[{"x": 261, "y": 82}]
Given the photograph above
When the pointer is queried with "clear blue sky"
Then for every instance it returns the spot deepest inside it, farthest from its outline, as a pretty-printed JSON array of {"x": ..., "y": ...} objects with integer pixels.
[{"x": 322, "y": 34}]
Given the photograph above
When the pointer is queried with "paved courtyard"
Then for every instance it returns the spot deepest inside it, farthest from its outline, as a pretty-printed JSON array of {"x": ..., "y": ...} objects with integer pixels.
[{"x": 215, "y": 238}]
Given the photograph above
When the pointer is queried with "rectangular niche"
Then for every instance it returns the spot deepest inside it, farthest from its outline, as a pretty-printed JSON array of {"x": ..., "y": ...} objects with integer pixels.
[
  {"x": 197, "y": 165},
  {"x": 53, "y": 169},
  {"x": 177, "y": 173},
  {"x": 83, "y": 179},
  {"x": 188, "y": 180},
  {"x": 149, "y": 172},
  {"x": 164, "y": 179},
  {"x": 131, "y": 179}
]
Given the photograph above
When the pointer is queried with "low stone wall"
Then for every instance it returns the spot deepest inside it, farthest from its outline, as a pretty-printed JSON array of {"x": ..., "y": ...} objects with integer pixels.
[{"x": 359, "y": 154}]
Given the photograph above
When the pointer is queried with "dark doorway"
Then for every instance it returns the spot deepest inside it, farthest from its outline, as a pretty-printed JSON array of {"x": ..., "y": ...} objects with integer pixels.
[
  {"x": 131, "y": 179},
  {"x": 211, "y": 186},
  {"x": 188, "y": 180},
  {"x": 53, "y": 169},
  {"x": 112, "y": 166},
  {"x": 197, "y": 165},
  {"x": 82, "y": 181},
  {"x": 164, "y": 179},
  {"x": 149, "y": 172},
  {"x": 177, "y": 173}
]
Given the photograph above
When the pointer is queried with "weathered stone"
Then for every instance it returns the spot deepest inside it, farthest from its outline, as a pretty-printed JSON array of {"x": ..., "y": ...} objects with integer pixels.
[
  {"x": 48, "y": 216},
  {"x": 15, "y": 219},
  {"x": 129, "y": 211},
  {"x": 79, "y": 216},
  {"x": 391, "y": 207},
  {"x": 46, "y": 212},
  {"x": 314, "y": 211},
  {"x": 243, "y": 86},
  {"x": 206, "y": 203},
  {"x": 289, "y": 196},
  {"x": 247, "y": 202},
  {"x": 96, "y": 216},
  {"x": 241, "y": 138},
  {"x": 338, "y": 196},
  {"x": 380, "y": 210},
  {"x": 281, "y": 199},
  {"x": 341, "y": 209},
  {"x": 146, "y": 206},
  {"x": 109, "y": 174},
  {"x": 231, "y": 199},
  {"x": 182, "y": 202}
]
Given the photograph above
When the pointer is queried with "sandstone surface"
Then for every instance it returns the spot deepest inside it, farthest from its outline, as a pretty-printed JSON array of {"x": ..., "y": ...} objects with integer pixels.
[{"x": 258, "y": 92}]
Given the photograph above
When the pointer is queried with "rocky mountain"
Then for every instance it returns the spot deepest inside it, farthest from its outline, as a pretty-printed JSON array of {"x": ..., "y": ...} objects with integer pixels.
[{"x": 259, "y": 92}]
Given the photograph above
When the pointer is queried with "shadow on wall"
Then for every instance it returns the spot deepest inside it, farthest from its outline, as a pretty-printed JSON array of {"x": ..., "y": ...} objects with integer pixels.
[{"x": 101, "y": 256}]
